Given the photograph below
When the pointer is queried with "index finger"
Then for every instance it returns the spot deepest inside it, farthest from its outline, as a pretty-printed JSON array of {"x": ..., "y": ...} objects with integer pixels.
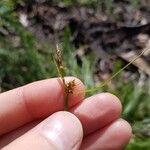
[{"x": 35, "y": 100}]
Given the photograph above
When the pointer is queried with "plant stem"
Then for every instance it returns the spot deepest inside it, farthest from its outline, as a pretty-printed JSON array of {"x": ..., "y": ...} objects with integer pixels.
[
  {"x": 114, "y": 75},
  {"x": 66, "y": 101}
]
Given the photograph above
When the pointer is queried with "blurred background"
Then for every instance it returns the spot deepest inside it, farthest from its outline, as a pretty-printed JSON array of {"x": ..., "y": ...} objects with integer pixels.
[{"x": 97, "y": 39}]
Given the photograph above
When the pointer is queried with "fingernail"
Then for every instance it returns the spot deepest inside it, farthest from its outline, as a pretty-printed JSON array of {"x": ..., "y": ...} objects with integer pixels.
[{"x": 63, "y": 130}]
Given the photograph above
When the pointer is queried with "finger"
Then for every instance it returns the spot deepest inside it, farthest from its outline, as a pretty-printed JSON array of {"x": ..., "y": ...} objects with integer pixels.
[
  {"x": 52, "y": 133},
  {"x": 113, "y": 137},
  {"x": 35, "y": 100},
  {"x": 97, "y": 111},
  {"x": 11, "y": 136}
]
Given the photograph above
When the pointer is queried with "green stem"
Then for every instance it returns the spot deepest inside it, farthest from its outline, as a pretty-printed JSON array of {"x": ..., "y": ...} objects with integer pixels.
[
  {"x": 66, "y": 102},
  {"x": 114, "y": 75}
]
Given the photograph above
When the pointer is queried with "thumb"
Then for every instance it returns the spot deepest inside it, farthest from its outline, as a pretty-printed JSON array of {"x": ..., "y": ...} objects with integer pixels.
[{"x": 62, "y": 130}]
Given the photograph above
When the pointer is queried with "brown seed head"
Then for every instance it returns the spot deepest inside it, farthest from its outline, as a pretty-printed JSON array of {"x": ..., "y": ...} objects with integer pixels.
[{"x": 69, "y": 87}]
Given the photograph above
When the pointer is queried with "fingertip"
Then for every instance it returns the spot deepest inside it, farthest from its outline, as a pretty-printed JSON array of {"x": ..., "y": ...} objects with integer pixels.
[
  {"x": 98, "y": 111},
  {"x": 49, "y": 94},
  {"x": 64, "y": 130},
  {"x": 117, "y": 134},
  {"x": 120, "y": 132},
  {"x": 125, "y": 129},
  {"x": 114, "y": 100}
]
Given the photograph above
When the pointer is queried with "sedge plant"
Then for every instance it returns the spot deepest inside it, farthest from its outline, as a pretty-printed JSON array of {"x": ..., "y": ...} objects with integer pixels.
[{"x": 69, "y": 87}]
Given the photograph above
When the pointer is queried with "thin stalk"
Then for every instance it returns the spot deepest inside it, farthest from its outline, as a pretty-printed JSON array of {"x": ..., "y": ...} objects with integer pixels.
[
  {"x": 66, "y": 101},
  {"x": 114, "y": 75}
]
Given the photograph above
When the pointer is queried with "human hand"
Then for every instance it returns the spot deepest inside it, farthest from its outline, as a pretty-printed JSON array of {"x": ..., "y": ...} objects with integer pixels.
[{"x": 95, "y": 124}]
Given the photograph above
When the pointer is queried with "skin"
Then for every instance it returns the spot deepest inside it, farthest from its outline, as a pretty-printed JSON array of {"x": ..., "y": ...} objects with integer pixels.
[{"x": 32, "y": 117}]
